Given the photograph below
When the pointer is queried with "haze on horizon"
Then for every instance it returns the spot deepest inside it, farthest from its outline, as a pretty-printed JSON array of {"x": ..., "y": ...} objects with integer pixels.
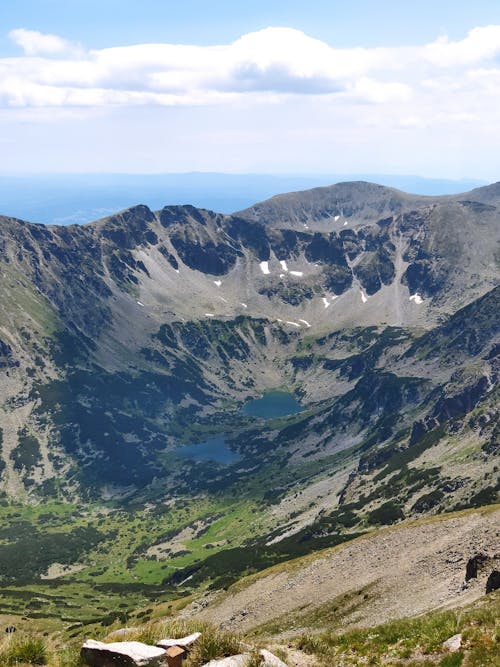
[{"x": 285, "y": 88}]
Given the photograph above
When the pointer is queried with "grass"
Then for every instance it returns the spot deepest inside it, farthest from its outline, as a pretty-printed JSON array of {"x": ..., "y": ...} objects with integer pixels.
[
  {"x": 416, "y": 641},
  {"x": 213, "y": 643},
  {"x": 331, "y": 614},
  {"x": 407, "y": 642},
  {"x": 117, "y": 577},
  {"x": 26, "y": 649}
]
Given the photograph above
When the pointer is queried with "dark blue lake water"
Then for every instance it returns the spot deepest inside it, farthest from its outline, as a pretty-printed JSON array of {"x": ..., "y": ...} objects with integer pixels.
[
  {"x": 213, "y": 449},
  {"x": 271, "y": 405}
]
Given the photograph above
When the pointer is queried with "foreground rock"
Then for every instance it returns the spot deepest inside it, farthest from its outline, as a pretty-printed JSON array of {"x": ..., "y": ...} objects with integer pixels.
[
  {"x": 267, "y": 659},
  {"x": 184, "y": 642},
  {"x": 453, "y": 643},
  {"x": 270, "y": 660},
  {"x": 233, "y": 661},
  {"x": 124, "y": 654}
]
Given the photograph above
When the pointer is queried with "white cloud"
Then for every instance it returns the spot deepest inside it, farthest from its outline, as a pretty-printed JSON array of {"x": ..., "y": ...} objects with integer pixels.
[
  {"x": 479, "y": 45},
  {"x": 379, "y": 92},
  {"x": 268, "y": 66},
  {"x": 36, "y": 43}
]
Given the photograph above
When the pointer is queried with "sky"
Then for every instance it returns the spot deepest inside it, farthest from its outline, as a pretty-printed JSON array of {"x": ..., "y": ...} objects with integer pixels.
[{"x": 120, "y": 86}]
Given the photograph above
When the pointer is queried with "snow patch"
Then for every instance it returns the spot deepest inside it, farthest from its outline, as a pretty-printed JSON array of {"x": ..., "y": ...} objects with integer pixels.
[
  {"x": 140, "y": 304},
  {"x": 345, "y": 223},
  {"x": 297, "y": 273},
  {"x": 218, "y": 283},
  {"x": 264, "y": 267},
  {"x": 283, "y": 265},
  {"x": 364, "y": 298},
  {"x": 337, "y": 217},
  {"x": 282, "y": 275},
  {"x": 326, "y": 302},
  {"x": 209, "y": 314},
  {"x": 306, "y": 323},
  {"x": 416, "y": 298},
  {"x": 244, "y": 305},
  {"x": 293, "y": 324}
]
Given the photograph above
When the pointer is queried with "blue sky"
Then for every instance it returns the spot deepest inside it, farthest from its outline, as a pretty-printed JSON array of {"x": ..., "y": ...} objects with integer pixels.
[
  {"x": 101, "y": 23},
  {"x": 271, "y": 87}
]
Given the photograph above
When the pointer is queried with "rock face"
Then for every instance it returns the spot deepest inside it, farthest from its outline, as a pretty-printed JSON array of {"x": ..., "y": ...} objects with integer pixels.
[
  {"x": 493, "y": 581},
  {"x": 122, "y": 654},
  {"x": 474, "y": 565},
  {"x": 131, "y": 325}
]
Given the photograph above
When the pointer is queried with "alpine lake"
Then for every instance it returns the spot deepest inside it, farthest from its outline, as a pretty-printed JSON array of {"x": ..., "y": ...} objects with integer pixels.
[{"x": 271, "y": 405}]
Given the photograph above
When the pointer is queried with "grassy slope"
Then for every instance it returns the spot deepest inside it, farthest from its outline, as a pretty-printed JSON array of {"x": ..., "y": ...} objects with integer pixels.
[{"x": 407, "y": 642}]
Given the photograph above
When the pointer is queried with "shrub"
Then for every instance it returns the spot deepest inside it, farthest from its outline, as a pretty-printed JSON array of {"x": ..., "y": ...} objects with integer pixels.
[
  {"x": 213, "y": 643},
  {"x": 452, "y": 660},
  {"x": 29, "y": 650}
]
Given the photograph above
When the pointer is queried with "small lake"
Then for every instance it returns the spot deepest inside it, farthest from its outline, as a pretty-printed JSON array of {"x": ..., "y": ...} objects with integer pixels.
[
  {"x": 213, "y": 449},
  {"x": 271, "y": 405}
]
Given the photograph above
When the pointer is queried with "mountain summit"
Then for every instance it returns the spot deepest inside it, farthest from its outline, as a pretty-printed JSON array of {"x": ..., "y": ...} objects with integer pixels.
[{"x": 122, "y": 338}]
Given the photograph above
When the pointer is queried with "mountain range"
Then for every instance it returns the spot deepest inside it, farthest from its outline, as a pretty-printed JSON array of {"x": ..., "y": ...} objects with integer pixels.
[{"x": 131, "y": 344}]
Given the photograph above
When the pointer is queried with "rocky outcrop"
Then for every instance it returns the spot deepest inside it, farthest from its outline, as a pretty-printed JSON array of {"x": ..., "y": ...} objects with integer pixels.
[
  {"x": 166, "y": 653},
  {"x": 240, "y": 660},
  {"x": 493, "y": 581},
  {"x": 266, "y": 659},
  {"x": 122, "y": 654},
  {"x": 453, "y": 644}
]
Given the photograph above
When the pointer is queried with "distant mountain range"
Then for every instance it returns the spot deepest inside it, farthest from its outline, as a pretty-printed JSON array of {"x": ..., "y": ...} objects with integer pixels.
[
  {"x": 78, "y": 198},
  {"x": 134, "y": 470},
  {"x": 123, "y": 338}
]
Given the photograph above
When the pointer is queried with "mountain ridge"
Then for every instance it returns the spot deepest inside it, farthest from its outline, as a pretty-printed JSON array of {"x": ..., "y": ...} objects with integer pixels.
[
  {"x": 138, "y": 291},
  {"x": 124, "y": 340}
]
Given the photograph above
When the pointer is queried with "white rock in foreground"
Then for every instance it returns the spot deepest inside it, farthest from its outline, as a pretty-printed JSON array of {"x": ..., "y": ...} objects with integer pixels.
[
  {"x": 184, "y": 642},
  {"x": 270, "y": 660},
  {"x": 240, "y": 660},
  {"x": 243, "y": 659},
  {"x": 124, "y": 654},
  {"x": 453, "y": 643}
]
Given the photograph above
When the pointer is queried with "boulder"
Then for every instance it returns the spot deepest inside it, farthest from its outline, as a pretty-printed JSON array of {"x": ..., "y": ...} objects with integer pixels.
[
  {"x": 453, "y": 643},
  {"x": 270, "y": 660},
  {"x": 185, "y": 642},
  {"x": 240, "y": 660},
  {"x": 122, "y": 654},
  {"x": 493, "y": 581}
]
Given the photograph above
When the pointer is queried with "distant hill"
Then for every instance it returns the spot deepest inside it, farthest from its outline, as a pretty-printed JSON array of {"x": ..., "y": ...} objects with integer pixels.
[{"x": 78, "y": 198}]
